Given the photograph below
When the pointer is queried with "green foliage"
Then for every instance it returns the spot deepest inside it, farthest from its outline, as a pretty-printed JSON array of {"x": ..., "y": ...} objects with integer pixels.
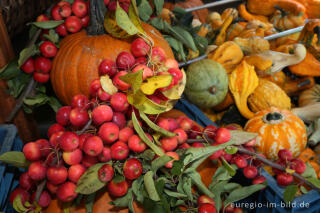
[{"x": 15, "y": 158}]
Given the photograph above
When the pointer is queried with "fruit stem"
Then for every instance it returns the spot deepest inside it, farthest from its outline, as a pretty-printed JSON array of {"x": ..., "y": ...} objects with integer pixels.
[
  {"x": 31, "y": 85},
  {"x": 97, "y": 12},
  {"x": 277, "y": 166},
  {"x": 85, "y": 127},
  {"x": 40, "y": 189}
]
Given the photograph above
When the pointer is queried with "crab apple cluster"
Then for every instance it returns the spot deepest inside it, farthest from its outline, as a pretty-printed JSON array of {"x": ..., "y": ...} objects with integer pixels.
[
  {"x": 286, "y": 160},
  {"x": 112, "y": 5},
  {"x": 207, "y": 205},
  {"x": 152, "y": 62}
]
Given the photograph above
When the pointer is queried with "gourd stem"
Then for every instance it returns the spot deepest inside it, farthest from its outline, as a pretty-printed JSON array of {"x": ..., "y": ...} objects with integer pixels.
[{"x": 97, "y": 12}]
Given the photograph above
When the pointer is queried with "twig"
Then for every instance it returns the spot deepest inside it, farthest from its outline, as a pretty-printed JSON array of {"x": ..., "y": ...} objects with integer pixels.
[
  {"x": 277, "y": 166},
  {"x": 32, "y": 84},
  {"x": 212, "y": 4},
  {"x": 40, "y": 189},
  {"x": 85, "y": 127}
]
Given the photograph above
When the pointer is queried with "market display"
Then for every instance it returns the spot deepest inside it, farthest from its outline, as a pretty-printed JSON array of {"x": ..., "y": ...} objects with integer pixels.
[{"x": 118, "y": 68}]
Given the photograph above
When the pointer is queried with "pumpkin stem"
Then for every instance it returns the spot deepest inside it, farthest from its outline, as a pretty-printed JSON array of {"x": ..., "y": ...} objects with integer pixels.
[
  {"x": 273, "y": 118},
  {"x": 97, "y": 12},
  {"x": 213, "y": 90}
]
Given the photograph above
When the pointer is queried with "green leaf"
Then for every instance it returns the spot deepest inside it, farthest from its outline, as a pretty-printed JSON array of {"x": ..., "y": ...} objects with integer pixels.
[
  {"x": 46, "y": 24},
  {"x": 144, "y": 137},
  {"x": 18, "y": 84},
  {"x": 303, "y": 189},
  {"x": 160, "y": 162},
  {"x": 89, "y": 181},
  {"x": 32, "y": 32},
  {"x": 232, "y": 170},
  {"x": 52, "y": 36},
  {"x": 217, "y": 189},
  {"x": 242, "y": 193},
  {"x": 150, "y": 187},
  {"x": 26, "y": 53},
  {"x": 18, "y": 205},
  {"x": 177, "y": 167},
  {"x": 152, "y": 206},
  {"x": 89, "y": 202},
  {"x": 137, "y": 187},
  {"x": 289, "y": 193},
  {"x": 158, "y": 23},
  {"x": 124, "y": 21},
  {"x": 123, "y": 201},
  {"x": 314, "y": 181},
  {"x": 174, "y": 43},
  {"x": 202, "y": 43},
  {"x": 229, "y": 187},
  {"x": 134, "y": 15},
  {"x": 220, "y": 174},
  {"x": 231, "y": 150},
  {"x": 196, "y": 179},
  {"x": 54, "y": 103},
  {"x": 147, "y": 155},
  {"x": 134, "y": 79},
  {"x": 159, "y": 5},
  {"x": 181, "y": 51},
  {"x": 174, "y": 194},
  {"x": 11, "y": 70},
  {"x": 37, "y": 99},
  {"x": 118, "y": 178},
  {"x": 241, "y": 137},
  {"x": 145, "y": 10},
  {"x": 183, "y": 36},
  {"x": 15, "y": 158},
  {"x": 156, "y": 127},
  {"x": 27, "y": 109},
  {"x": 187, "y": 187},
  {"x": 309, "y": 172}
]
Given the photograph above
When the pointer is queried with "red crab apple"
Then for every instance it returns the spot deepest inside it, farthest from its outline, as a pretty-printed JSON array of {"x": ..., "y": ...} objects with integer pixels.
[
  {"x": 73, "y": 24},
  {"x": 119, "y": 119},
  {"x": 107, "y": 67},
  {"x": 41, "y": 18},
  {"x": 125, "y": 60},
  {"x": 75, "y": 172},
  {"x": 119, "y": 151},
  {"x": 63, "y": 3},
  {"x": 175, "y": 157},
  {"x": 117, "y": 189},
  {"x": 158, "y": 55},
  {"x": 26, "y": 182},
  {"x": 73, "y": 157},
  {"x": 169, "y": 144},
  {"x": 197, "y": 144},
  {"x": 63, "y": 114},
  {"x": 185, "y": 123},
  {"x": 256, "y": 162},
  {"x": 55, "y": 128},
  {"x": 119, "y": 102},
  {"x": 184, "y": 146},
  {"x": 222, "y": 135},
  {"x": 207, "y": 208},
  {"x": 28, "y": 66},
  {"x": 82, "y": 139},
  {"x": 121, "y": 85},
  {"x": 79, "y": 117},
  {"x": 298, "y": 165},
  {"x": 105, "y": 173},
  {"x": 146, "y": 71},
  {"x": 250, "y": 172},
  {"x": 95, "y": 85},
  {"x": 55, "y": 13},
  {"x": 37, "y": 170},
  {"x": 66, "y": 192},
  {"x": 181, "y": 135},
  {"x": 55, "y": 139},
  {"x": 52, "y": 188},
  {"x": 285, "y": 155},
  {"x": 216, "y": 155},
  {"x": 48, "y": 49},
  {"x": 93, "y": 146},
  {"x": 251, "y": 143},
  {"x": 65, "y": 11},
  {"x": 284, "y": 179},
  {"x": 101, "y": 114},
  {"x": 125, "y": 134},
  {"x": 106, "y": 2},
  {"x": 80, "y": 101},
  {"x": 79, "y": 8},
  {"x": 205, "y": 199},
  {"x": 139, "y": 48},
  {"x": 109, "y": 132},
  {"x": 105, "y": 155},
  {"x": 141, "y": 60},
  {"x": 171, "y": 63},
  {"x": 112, "y": 6},
  {"x": 44, "y": 199},
  {"x": 32, "y": 151},
  {"x": 62, "y": 30},
  {"x": 259, "y": 179},
  {"x": 103, "y": 96},
  {"x": 210, "y": 131},
  {"x": 45, "y": 147},
  {"x": 241, "y": 162},
  {"x": 42, "y": 64},
  {"x": 132, "y": 169},
  {"x": 237, "y": 210},
  {"x": 176, "y": 74},
  {"x": 163, "y": 123},
  {"x": 136, "y": 144},
  {"x": 19, "y": 191},
  {"x": 173, "y": 124},
  {"x": 194, "y": 132},
  {"x": 85, "y": 21},
  {"x": 277, "y": 171},
  {"x": 69, "y": 141},
  {"x": 57, "y": 174},
  {"x": 41, "y": 77},
  {"x": 89, "y": 161}
]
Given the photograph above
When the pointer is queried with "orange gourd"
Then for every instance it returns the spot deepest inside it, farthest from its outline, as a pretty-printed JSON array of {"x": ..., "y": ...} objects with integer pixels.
[
  {"x": 278, "y": 129},
  {"x": 198, "y": 14},
  {"x": 76, "y": 64},
  {"x": 246, "y": 15}
]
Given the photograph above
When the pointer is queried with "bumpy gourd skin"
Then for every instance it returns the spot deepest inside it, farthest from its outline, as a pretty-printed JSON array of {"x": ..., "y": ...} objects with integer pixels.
[{"x": 207, "y": 83}]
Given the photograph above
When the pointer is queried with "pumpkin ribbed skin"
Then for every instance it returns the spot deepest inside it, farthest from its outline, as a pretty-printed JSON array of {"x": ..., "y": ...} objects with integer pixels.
[
  {"x": 310, "y": 96},
  {"x": 286, "y": 132},
  {"x": 198, "y": 14},
  {"x": 76, "y": 64},
  {"x": 207, "y": 83},
  {"x": 267, "y": 95}
]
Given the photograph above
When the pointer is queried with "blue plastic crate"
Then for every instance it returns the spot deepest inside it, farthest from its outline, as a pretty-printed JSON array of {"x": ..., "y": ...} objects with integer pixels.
[
  {"x": 9, "y": 175},
  {"x": 272, "y": 200}
]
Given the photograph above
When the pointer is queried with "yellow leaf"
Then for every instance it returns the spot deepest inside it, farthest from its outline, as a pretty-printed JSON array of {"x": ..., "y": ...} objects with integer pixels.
[
  {"x": 107, "y": 85},
  {"x": 155, "y": 82},
  {"x": 290, "y": 171},
  {"x": 134, "y": 79},
  {"x": 176, "y": 91}
]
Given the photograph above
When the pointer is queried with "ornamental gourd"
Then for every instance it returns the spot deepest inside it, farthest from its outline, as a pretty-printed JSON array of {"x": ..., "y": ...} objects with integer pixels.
[
  {"x": 76, "y": 64},
  {"x": 267, "y": 95},
  {"x": 310, "y": 96},
  {"x": 277, "y": 129},
  {"x": 207, "y": 83}
]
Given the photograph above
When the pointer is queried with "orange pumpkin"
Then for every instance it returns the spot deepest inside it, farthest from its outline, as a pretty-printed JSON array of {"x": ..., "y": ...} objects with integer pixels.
[
  {"x": 101, "y": 205},
  {"x": 198, "y": 14},
  {"x": 278, "y": 129}
]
